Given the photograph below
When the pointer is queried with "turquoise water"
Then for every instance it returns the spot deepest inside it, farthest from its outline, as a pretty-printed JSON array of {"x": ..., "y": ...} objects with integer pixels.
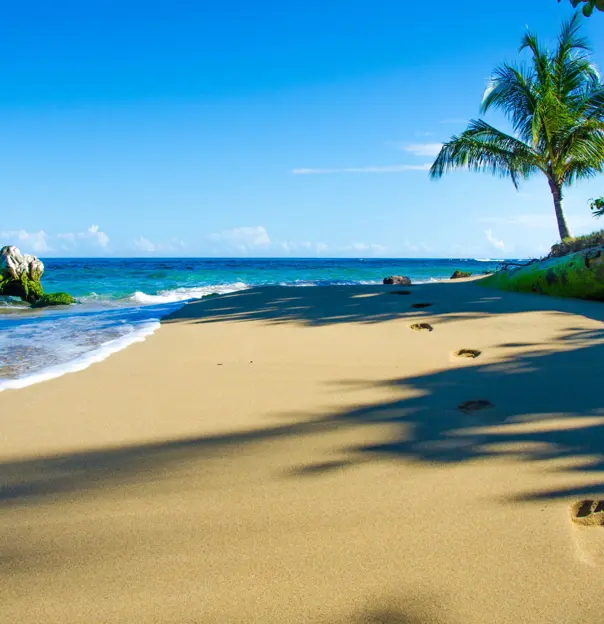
[{"x": 121, "y": 301}]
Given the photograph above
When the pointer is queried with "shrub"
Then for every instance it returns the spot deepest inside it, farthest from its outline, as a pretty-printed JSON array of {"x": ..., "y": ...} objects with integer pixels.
[{"x": 570, "y": 245}]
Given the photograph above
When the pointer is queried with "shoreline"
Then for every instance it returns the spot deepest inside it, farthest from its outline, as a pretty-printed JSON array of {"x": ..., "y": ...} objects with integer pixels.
[
  {"x": 101, "y": 353},
  {"x": 287, "y": 454},
  {"x": 118, "y": 295},
  {"x": 105, "y": 349}
]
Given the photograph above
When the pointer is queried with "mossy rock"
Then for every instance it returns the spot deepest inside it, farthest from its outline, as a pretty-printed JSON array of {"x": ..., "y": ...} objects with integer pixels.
[
  {"x": 33, "y": 289},
  {"x": 460, "y": 275},
  {"x": 25, "y": 288},
  {"x": 53, "y": 299},
  {"x": 579, "y": 274},
  {"x": 20, "y": 274}
]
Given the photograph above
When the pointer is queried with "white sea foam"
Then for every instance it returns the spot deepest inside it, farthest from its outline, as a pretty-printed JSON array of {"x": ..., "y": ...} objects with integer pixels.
[
  {"x": 51, "y": 343},
  {"x": 186, "y": 294},
  {"x": 98, "y": 354},
  {"x": 12, "y": 304},
  {"x": 54, "y": 342}
]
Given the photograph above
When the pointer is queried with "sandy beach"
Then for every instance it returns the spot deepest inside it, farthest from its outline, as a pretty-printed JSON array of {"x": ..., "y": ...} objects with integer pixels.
[{"x": 304, "y": 455}]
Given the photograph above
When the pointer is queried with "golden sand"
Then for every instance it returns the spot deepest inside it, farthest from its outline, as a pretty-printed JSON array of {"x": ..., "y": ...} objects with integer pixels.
[{"x": 302, "y": 455}]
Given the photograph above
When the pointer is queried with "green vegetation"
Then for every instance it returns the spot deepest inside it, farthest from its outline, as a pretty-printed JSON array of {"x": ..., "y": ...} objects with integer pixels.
[
  {"x": 32, "y": 288},
  {"x": 597, "y": 206},
  {"x": 556, "y": 107},
  {"x": 570, "y": 245},
  {"x": 53, "y": 299},
  {"x": 24, "y": 287},
  {"x": 579, "y": 274},
  {"x": 588, "y": 5}
]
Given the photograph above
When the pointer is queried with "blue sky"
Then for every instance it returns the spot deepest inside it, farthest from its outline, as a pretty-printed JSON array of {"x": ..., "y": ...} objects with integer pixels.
[{"x": 264, "y": 129}]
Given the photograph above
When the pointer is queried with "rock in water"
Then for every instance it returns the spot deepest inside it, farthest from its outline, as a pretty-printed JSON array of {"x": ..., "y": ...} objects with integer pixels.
[
  {"x": 398, "y": 280},
  {"x": 460, "y": 274},
  {"x": 20, "y": 274},
  {"x": 53, "y": 299}
]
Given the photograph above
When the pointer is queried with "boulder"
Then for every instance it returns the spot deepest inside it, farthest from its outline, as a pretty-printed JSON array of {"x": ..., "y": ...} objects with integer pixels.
[
  {"x": 460, "y": 274},
  {"x": 397, "y": 280},
  {"x": 20, "y": 274}
]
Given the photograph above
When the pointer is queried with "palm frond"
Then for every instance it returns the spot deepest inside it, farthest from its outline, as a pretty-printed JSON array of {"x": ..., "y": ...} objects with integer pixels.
[
  {"x": 574, "y": 75},
  {"x": 581, "y": 170},
  {"x": 582, "y": 153},
  {"x": 591, "y": 104},
  {"x": 541, "y": 59},
  {"x": 570, "y": 37},
  {"x": 511, "y": 89},
  {"x": 481, "y": 147}
]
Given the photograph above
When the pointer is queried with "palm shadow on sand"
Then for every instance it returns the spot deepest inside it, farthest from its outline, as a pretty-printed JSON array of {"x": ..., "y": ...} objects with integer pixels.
[{"x": 539, "y": 386}]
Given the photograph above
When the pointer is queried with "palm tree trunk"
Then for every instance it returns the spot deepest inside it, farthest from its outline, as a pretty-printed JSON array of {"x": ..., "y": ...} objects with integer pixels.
[{"x": 563, "y": 228}]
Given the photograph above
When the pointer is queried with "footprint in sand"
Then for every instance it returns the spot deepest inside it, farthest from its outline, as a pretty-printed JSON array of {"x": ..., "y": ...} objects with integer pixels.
[
  {"x": 468, "y": 353},
  {"x": 477, "y": 405},
  {"x": 419, "y": 306},
  {"x": 421, "y": 327},
  {"x": 588, "y": 512},
  {"x": 588, "y": 530}
]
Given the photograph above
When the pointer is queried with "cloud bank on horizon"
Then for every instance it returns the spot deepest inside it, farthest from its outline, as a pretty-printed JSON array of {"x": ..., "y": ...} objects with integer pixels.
[
  {"x": 40, "y": 242},
  {"x": 254, "y": 241}
]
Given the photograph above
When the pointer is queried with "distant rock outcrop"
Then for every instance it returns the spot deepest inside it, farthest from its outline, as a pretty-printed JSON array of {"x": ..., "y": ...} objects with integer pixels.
[
  {"x": 398, "y": 280},
  {"x": 460, "y": 275},
  {"x": 20, "y": 274}
]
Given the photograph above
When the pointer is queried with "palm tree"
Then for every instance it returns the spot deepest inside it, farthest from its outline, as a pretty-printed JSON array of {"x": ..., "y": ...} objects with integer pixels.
[{"x": 556, "y": 107}]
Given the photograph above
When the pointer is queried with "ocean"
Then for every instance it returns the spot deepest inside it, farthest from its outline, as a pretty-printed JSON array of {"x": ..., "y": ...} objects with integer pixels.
[{"x": 121, "y": 301}]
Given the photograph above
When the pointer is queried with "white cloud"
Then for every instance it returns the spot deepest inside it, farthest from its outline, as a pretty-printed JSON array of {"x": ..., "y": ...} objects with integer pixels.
[
  {"x": 243, "y": 238},
  {"x": 423, "y": 149},
  {"x": 371, "y": 169},
  {"x": 144, "y": 244},
  {"x": 498, "y": 244},
  {"x": 306, "y": 247},
  {"x": 100, "y": 237},
  {"x": 92, "y": 235},
  {"x": 30, "y": 241},
  {"x": 292, "y": 247},
  {"x": 371, "y": 248}
]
